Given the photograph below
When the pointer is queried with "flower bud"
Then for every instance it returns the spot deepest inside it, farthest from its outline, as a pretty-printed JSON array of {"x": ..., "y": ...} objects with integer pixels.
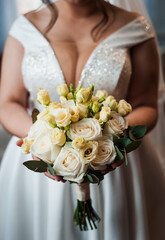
[
  {"x": 70, "y": 96},
  {"x": 101, "y": 94},
  {"x": 26, "y": 145},
  {"x": 54, "y": 105},
  {"x": 78, "y": 143},
  {"x": 105, "y": 114},
  {"x": 95, "y": 107},
  {"x": 63, "y": 90},
  {"x": 84, "y": 95},
  {"x": 58, "y": 137},
  {"x": 111, "y": 102},
  {"x": 43, "y": 97},
  {"x": 63, "y": 99},
  {"x": 124, "y": 108}
]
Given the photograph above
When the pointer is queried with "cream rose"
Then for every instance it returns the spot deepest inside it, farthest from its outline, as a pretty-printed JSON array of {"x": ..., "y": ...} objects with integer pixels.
[
  {"x": 87, "y": 128},
  {"x": 73, "y": 110},
  {"x": 116, "y": 125},
  {"x": 84, "y": 95},
  {"x": 78, "y": 143},
  {"x": 44, "y": 149},
  {"x": 89, "y": 152},
  {"x": 70, "y": 164},
  {"x": 105, "y": 155},
  {"x": 105, "y": 114},
  {"x": 62, "y": 117},
  {"x": 63, "y": 90},
  {"x": 39, "y": 128},
  {"x": 124, "y": 108},
  {"x": 58, "y": 136},
  {"x": 83, "y": 109},
  {"x": 43, "y": 97},
  {"x": 101, "y": 94},
  {"x": 26, "y": 145},
  {"x": 42, "y": 114}
]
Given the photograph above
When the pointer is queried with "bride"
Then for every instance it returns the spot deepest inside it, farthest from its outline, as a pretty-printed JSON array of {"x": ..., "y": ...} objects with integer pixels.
[{"x": 80, "y": 42}]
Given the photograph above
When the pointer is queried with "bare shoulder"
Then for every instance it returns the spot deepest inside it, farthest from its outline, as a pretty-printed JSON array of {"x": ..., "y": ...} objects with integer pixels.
[
  {"x": 40, "y": 19},
  {"x": 122, "y": 16}
]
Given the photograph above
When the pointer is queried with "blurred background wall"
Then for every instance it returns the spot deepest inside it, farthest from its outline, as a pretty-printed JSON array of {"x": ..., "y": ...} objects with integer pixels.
[{"x": 9, "y": 9}]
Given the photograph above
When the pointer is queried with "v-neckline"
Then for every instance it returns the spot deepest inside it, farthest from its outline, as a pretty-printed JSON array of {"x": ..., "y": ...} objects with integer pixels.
[{"x": 90, "y": 55}]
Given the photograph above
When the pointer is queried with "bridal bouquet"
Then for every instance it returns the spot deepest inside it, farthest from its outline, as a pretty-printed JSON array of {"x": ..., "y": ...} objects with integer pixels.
[{"x": 77, "y": 138}]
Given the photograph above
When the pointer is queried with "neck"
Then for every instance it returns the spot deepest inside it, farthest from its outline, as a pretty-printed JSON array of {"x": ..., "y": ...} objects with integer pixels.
[{"x": 77, "y": 8}]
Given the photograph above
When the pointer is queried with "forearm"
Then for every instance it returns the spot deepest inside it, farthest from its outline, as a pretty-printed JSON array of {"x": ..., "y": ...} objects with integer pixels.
[
  {"x": 15, "y": 119},
  {"x": 143, "y": 116}
]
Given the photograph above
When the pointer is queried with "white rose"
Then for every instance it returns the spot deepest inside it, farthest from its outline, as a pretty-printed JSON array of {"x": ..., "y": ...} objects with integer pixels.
[
  {"x": 83, "y": 109},
  {"x": 58, "y": 136},
  {"x": 87, "y": 128},
  {"x": 101, "y": 93},
  {"x": 42, "y": 114},
  {"x": 70, "y": 164},
  {"x": 106, "y": 153},
  {"x": 44, "y": 149},
  {"x": 39, "y": 128},
  {"x": 89, "y": 151},
  {"x": 63, "y": 90},
  {"x": 62, "y": 117},
  {"x": 43, "y": 97},
  {"x": 124, "y": 108},
  {"x": 73, "y": 110},
  {"x": 116, "y": 125}
]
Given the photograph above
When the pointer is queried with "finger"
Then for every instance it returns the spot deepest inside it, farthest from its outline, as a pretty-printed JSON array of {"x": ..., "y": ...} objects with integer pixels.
[
  {"x": 35, "y": 158},
  {"x": 19, "y": 142},
  {"x": 49, "y": 175},
  {"x": 117, "y": 164}
]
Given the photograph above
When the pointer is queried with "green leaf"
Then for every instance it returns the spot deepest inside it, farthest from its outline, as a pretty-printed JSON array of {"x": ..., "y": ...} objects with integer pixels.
[
  {"x": 122, "y": 142},
  {"x": 119, "y": 154},
  {"x": 36, "y": 166},
  {"x": 132, "y": 146},
  {"x": 138, "y": 131},
  {"x": 51, "y": 170},
  {"x": 34, "y": 115}
]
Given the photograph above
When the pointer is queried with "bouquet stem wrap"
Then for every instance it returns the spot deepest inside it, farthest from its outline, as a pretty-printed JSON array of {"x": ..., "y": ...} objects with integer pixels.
[{"x": 85, "y": 215}]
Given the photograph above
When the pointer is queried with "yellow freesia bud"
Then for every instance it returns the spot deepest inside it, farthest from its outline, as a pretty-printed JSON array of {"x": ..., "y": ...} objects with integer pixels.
[
  {"x": 105, "y": 114},
  {"x": 26, "y": 145},
  {"x": 43, "y": 97},
  {"x": 111, "y": 102},
  {"x": 84, "y": 95},
  {"x": 63, "y": 90},
  {"x": 101, "y": 94},
  {"x": 124, "y": 107},
  {"x": 95, "y": 107},
  {"x": 70, "y": 96}
]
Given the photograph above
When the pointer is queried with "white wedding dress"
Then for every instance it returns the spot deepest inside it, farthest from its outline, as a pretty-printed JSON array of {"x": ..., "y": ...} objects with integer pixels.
[{"x": 130, "y": 200}]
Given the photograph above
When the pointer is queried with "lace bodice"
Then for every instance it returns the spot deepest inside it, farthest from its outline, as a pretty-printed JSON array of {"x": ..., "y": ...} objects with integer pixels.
[{"x": 108, "y": 67}]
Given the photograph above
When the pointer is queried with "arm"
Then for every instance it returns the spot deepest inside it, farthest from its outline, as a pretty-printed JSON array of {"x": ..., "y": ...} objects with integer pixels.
[
  {"x": 143, "y": 88},
  {"x": 13, "y": 95}
]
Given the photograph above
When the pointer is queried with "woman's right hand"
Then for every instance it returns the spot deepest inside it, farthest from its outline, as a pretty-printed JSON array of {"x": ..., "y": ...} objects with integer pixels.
[{"x": 57, "y": 178}]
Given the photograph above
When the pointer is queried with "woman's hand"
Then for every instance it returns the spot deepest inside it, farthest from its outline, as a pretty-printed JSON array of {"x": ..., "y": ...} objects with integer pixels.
[
  {"x": 111, "y": 167},
  {"x": 57, "y": 178}
]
